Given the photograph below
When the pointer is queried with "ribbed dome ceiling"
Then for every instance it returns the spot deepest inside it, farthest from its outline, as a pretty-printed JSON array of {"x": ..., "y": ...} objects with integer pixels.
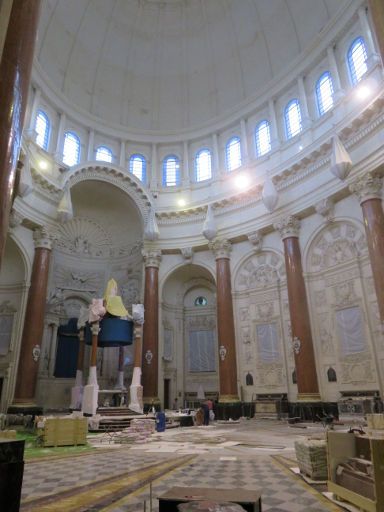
[{"x": 172, "y": 64}]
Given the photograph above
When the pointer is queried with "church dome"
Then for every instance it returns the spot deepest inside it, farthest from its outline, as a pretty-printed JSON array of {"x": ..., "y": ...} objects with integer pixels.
[{"x": 174, "y": 65}]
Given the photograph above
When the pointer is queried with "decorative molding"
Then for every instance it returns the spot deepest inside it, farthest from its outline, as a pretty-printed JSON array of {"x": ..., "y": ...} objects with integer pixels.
[
  {"x": 121, "y": 179},
  {"x": 221, "y": 248},
  {"x": 288, "y": 227},
  {"x": 256, "y": 239},
  {"x": 6, "y": 308},
  {"x": 187, "y": 253},
  {"x": 200, "y": 322},
  {"x": 73, "y": 278},
  {"x": 15, "y": 219},
  {"x": 325, "y": 208},
  {"x": 151, "y": 257},
  {"x": 336, "y": 244},
  {"x": 367, "y": 187},
  {"x": 44, "y": 238},
  {"x": 260, "y": 271}
]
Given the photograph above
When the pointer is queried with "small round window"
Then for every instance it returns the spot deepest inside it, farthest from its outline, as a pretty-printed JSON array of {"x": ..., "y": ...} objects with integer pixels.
[{"x": 201, "y": 301}]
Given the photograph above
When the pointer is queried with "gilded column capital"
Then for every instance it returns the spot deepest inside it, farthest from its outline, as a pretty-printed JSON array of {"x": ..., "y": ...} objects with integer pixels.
[
  {"x": 221, "y": 248},
  {"x": 367, "y": 187},
  {"x": 288, "y": 227},
  {"x": 151, "y": 257},
  {"x": 44, "y": 238}
]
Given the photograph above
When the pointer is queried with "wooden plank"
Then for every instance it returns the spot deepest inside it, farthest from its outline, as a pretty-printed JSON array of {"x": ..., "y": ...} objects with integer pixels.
[{"x": 352, "y": 497}]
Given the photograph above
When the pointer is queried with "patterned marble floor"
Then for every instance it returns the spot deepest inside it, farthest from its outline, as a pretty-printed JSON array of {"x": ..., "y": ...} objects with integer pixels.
[{"x": 117, "y": 479}]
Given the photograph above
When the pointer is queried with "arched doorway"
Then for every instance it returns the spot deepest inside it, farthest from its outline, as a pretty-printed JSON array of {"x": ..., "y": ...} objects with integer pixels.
[{"x": 189, "y": 336}]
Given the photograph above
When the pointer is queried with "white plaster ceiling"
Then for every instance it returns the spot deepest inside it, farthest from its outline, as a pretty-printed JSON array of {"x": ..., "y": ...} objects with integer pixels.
[{"x": 173, "y": 64}]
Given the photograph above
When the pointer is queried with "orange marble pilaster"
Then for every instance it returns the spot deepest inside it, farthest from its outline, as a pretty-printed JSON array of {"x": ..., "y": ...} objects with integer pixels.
[
  {"x": 15, "y": 73},
  {"x": 368, "y": 191},
  {"x": 150, "y": 373},
  {"x": 302, "y": 344},
  {"x": 33, "y": 321},
  {"x": 376, "y": 9},
  {"x": 225, "y": 323}
]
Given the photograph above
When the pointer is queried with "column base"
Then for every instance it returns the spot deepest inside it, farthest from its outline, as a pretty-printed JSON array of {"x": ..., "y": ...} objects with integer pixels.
[
  {"x": 228, "y": 399},
  {"x": 308, "y": 397},
  {"x": 312, "y": 411},
  {"x": 25, "y": 408},
  {"x": 228, "y": 410}
]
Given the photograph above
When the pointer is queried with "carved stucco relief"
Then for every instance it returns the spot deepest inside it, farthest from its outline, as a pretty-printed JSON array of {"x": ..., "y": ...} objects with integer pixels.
[
  {"x": 336, "y": 244},
  {"x": 260, "y": 271}
]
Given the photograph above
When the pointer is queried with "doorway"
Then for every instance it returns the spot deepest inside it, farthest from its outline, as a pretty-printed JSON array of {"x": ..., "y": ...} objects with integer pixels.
[{"x": 167, "y": 389}]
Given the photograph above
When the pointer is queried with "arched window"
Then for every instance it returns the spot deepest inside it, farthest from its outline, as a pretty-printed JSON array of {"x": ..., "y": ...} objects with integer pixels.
[
  {"x": 201, "y": 301},
  {"x": 203, "y": 165},
  {"x": 104, "y": 154},
  {"x": 233, "y": 153},
  {"x": 331, "y": 374},
  {"x": 71, "y": 149},
  {"x": 171, "y": 171},
  {"x": 42, "y": 128},
  {"x": 138, "y": 167},
  {"x": 324, "y": 93},
  {"x": 292, "y": 116},
  {"x": 263, "y": 138},
  {"x": 249, "y": 379},
  {"x": 357, "y": 60}
]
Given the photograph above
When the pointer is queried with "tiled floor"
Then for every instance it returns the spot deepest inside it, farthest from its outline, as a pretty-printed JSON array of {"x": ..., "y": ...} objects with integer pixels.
[{"x": 252, "y": 455}]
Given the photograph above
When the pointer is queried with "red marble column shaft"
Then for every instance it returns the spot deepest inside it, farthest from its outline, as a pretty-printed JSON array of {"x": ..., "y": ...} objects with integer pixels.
[
  {"x": 226, "y": 332},
  {"x": 376, "y": 8},
  {"x": 307, "y": 384},
  {"x": 151, "y": 335},
  {"x": 374, "y": 230},
  {"x": 15, "y": 73},
  {"x": 33, "y": 328}
]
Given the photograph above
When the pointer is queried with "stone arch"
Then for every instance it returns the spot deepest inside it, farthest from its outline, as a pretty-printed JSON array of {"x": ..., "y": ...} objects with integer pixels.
[
  {"x": 118, "y": 177},
  {"x": 333, "y": 244},
  {"x": 259, "y": 271}
]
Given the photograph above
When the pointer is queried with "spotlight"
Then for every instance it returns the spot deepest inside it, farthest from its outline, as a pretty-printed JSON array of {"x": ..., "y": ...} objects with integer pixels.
[
  {"x": 181, "y": 202},
  {"x": 363, "y": 92},
  {"x": 242, "y": 181},
  {"x": 43, "y": 165}
]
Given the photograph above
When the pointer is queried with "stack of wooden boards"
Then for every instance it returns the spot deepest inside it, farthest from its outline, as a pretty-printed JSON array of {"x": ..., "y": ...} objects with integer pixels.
[
  {"x": 63, "y": 431},
  {"x": 311, "y": 456}
]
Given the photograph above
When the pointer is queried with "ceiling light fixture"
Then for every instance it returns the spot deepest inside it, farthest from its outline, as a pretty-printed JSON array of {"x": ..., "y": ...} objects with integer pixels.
[{"x": 181, "y": 202}]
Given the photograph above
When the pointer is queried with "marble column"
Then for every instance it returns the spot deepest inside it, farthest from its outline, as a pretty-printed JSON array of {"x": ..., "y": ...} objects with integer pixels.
[
  {"x": 150, "y": 370},
  {"x": 15, "y": 73},
  {"x": 376, "y": 8},
  {"x": 302, "y": 345},
  {"x": 34, "y": 321},
  {"x": 77, "y": 390},
  {"x": 225, "y": 323},
  {"x": 368, "y": 190},
  {"x": 136, "y": 389}
]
